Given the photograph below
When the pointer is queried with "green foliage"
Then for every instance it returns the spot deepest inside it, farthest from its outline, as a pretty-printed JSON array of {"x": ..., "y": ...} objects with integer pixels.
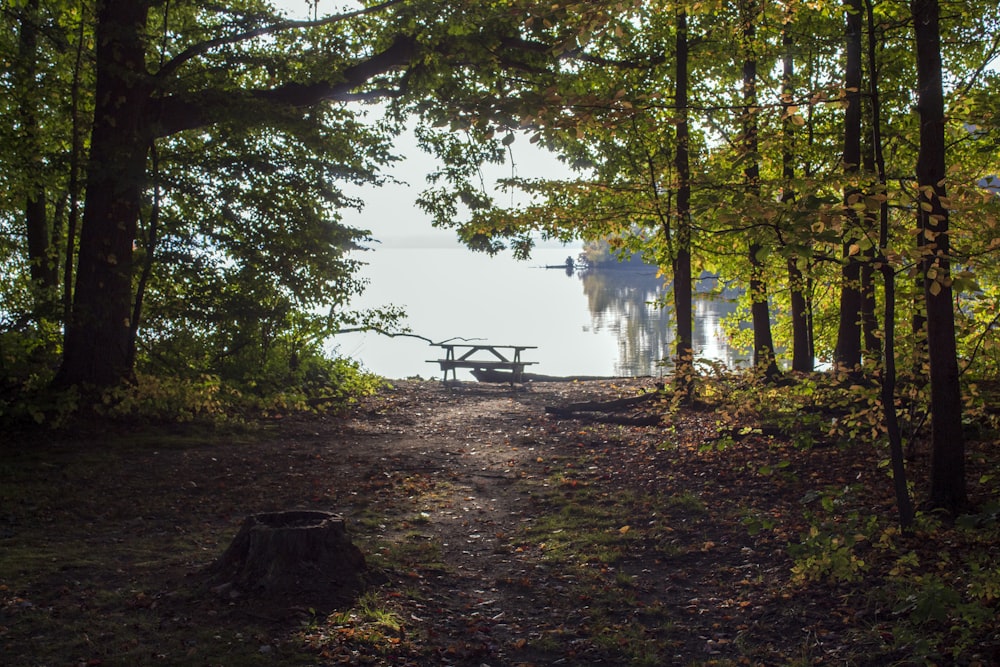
[
  {"x": 316, "y": 383},
  {"x": 38, "y": 407},
  {"x": 169, "y": 399},
  {"x": 28, "y": 360},
  {"x": 822, "y": 556},
  {"x": 945, "y": 602}
]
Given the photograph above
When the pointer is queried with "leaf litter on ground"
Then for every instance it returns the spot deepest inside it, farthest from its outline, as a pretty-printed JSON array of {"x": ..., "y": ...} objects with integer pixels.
[{"x": 498, "y": 531}]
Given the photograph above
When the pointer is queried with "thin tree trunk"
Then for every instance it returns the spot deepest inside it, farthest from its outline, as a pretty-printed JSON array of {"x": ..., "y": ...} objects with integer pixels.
[
  {"x": 870, "y": 217},
  {"x": 76, "y": 150},
  {"x": 152, "y": 238},
  {"x": 948, "y": 488},
  {"x": 802, "y": 359},
  {"x": 763, "y": 342},
  {"x": 683, "y": 307},
  {"x": 38, "y": 228},
  {"x": 904, "y": 504},
  {"x": 847, "y": 353}
]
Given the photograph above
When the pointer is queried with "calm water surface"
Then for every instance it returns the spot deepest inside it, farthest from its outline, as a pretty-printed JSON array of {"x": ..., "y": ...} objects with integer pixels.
[{"x": 595, "y": 323}]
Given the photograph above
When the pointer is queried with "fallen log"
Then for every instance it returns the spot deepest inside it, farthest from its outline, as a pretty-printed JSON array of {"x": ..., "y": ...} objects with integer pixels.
[
  {"x": 606, "y": 406},
  {"x": 598, "y": 411}
]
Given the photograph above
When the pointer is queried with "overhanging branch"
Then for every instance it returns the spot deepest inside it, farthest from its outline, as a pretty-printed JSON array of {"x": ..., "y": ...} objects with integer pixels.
[
  {"x": 196, "y": 50},
  {"x": 175, "y": 114}
]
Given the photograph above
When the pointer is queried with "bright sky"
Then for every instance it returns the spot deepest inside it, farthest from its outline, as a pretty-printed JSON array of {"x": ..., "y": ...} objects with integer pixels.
[{"x": 390, "y": 211}]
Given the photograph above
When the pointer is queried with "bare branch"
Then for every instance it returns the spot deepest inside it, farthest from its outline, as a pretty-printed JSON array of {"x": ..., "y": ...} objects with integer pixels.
[{"x": 395, "y": 334}]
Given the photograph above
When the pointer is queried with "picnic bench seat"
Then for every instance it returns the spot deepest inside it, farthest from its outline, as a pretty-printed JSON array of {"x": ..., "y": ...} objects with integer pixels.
[{"x": 490, "y": 357}]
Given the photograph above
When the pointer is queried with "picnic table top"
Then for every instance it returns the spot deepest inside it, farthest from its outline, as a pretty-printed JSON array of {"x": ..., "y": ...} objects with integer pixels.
[{"x": 463, "y": 352}]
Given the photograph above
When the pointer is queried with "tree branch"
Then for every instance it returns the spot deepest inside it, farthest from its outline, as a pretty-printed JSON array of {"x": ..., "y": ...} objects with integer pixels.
[
  {"x": 196, "y": 50},
  {"x": 174, "y": 114},
  {"x": 396, "y": 334}
]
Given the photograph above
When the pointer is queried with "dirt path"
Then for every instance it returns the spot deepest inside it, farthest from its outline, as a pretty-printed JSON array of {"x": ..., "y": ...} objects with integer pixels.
[
  {"x": 499, "y": 578},
  {"x": 478, "y": 458}
]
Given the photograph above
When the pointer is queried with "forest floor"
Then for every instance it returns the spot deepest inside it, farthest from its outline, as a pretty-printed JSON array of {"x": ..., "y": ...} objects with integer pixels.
[{"x": 496, "y": 533}]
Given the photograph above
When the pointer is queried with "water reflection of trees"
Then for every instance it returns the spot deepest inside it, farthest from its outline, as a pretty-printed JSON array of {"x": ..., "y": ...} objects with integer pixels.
[{"x": 627, "y": 300}]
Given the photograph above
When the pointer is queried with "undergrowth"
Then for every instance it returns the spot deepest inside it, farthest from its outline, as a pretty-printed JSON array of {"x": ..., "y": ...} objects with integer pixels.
[
  {"x": 209, "y": 399},
  {"x": 934, "y": 594}
]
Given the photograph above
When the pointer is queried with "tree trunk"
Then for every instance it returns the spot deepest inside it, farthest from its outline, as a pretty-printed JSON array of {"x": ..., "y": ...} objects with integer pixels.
[
  {"x": 75, "y": 153},
  {"x": 948, "y": 489},
  {"x": 872, "y": 351},
  {"x": 847, "y": 353},
  {"x": 38, "y": 228},
  {"x": 888, "y": 376},
  {"x": 802, "y": 349},
  {"x": 683, "y": 292},
  {"x": 97, "y": 346},
  {"x": 874, "y": 218},
  {"x": 802, "y": 357},
  {"x": 760, "y": 312},
  {"x": 298, "y": 552}
]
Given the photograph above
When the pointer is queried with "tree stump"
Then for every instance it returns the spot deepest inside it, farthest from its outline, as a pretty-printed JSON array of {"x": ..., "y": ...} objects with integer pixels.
[{"x": 295, "y": 552}]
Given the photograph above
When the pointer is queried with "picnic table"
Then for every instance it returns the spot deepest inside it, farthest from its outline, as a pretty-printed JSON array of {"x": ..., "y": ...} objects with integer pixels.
[{"x": 483, "y": 356}]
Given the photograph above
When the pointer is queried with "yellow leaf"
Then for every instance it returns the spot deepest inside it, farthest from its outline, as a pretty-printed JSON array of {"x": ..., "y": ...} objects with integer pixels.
[
  {"x": 624, "y": 529},
  {"x": 935, "y": 288}
]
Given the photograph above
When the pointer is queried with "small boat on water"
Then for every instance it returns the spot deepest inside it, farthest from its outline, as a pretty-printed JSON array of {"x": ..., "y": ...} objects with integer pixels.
[{"x": 568, "y": 265}]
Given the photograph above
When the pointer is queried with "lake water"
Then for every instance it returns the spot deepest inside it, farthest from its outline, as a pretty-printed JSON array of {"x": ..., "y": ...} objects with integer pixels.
[{"x": 595, "y": 323}]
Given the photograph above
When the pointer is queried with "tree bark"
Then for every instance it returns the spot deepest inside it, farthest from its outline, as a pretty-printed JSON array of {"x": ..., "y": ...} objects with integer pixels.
[
  {"x": 802, "y": 353},
  {"x": 97, "y": 345},
  {"x": 760, "y": 312},
  {"x": 847, "y": 352},
  {"x": 42, "y": 258},
  {"x": 299, "y": 552},
  {"x": 948, "y": 487},
  {"x": 888, "y": 376},
  {"x": 683, "y": 291}
]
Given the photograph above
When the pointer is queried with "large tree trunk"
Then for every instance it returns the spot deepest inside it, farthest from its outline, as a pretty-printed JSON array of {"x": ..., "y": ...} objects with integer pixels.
[
  {"x": 97, "y": 348},
  {"x": 847, "y": 353},
  {"x": 683, "y": 307},
  {"x": 948, "y": 490}
]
